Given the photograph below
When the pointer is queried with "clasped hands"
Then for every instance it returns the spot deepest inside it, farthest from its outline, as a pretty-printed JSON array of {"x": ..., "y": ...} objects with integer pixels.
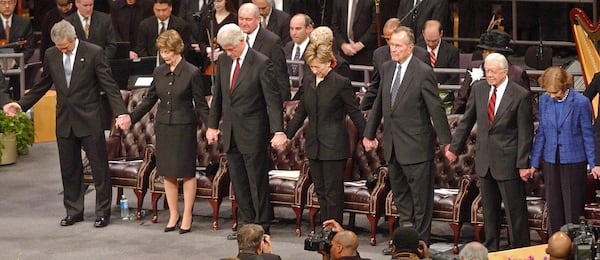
[
  {"x": 370, "y": 144},
  {"x": 123, "y": 121},
  {"x": 279, "y": 140},
  {"x": 350, "y": 49},
  {"x": 11, "y": 109}
]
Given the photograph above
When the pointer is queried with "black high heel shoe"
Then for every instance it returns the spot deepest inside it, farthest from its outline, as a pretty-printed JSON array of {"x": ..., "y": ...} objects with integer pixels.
[
  {"x": 169, "y": 229},
  {"x": 183, "y": 231}
]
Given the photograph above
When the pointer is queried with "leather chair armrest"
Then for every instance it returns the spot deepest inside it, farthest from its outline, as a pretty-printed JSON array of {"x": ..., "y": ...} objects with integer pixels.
[
  {"x": 467, "y": 192},
  {"x": 380, "y": 191},
  {"x": 148, "y": 164},
  {"x": 113, "y": 144},
  {"x": 301, "y": 189},
  {"x": 220, "y": 183}
]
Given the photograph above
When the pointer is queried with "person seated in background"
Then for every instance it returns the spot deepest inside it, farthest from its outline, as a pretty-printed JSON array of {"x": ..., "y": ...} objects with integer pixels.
[
  {"x": 473, "y": 251},
  {"x": 253, "y": 243},
  {"x": 126, "y": 16},
  {"x": 62, "y": 9},
  {"x": 344, "y": 244},
  {"x": 406, "y": 245},
  {"x": 559, "y": 246}
]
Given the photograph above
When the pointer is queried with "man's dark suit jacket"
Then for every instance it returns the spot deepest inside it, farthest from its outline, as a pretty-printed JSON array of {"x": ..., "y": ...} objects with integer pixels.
[
  {"x": 52, "y": 17},
  {"x": 427, "y": 10},
  {"x": 288, "y": 50},
  {"x": 148, "y": 32},
  {"x": 78, "y": 107},
  {"x": 126, "y": 19},
  {"x": 326, "y": 106},
  {"x": 364, "y": 29},
  {"x": 186, "y": 11},
  {"x": 515, "y": 73},
  {"x": 380, "y": 56},
  {"x": 293, "y": 7},
  {"x": 447, "y": 57},
  {"x": 407, "y": 123},
  {"x": 20, "y": 29},
  {"x": 314, "y": 9},
  {"x": 251, "y": 256},
  {"x": 254, "y": 108},
  {"x": 279, "y": 23},
  {"x": 269, "y": 44},
  {"x": 102, "y": 32}
]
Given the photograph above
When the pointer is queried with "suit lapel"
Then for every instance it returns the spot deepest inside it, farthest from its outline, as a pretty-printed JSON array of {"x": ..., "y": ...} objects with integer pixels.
[
  {"x": 505, "y": 102},
  {"x": 78, "y": 64},
  {"x": 567, "y": 109},
  {"x": 405, "y": 84},
  {"x": 248, "y": 61},
  {"x": 61, "y": 80}
]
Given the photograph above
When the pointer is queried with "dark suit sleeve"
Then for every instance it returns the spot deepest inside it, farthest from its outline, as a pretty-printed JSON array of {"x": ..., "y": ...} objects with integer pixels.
[
  {"x": 336, "y": 23},
  {"x": 296, "y": 121},
  {"x": 367, "y": 101},
  {"x": 280, "y": 67},
  {"x": 146, "y": 104},
  {"x": 200, "y": 103},
  {"x": 429, "y": 91},
  {"x": 272, "y": 97},
  {"x": 216, "y": 108},
  {"x": 27, "y": 35},
  {"x": 351, "y": 106},
  {"x": 593, "y": 88},
  {"x": 458, "y": 106},
  {"x": 463, "y": 130},
  {"x": 141, "y": 45},
  {"x": 525, "y": 132},
  {"x": 111, "y": 39},
  {"x": 108, "y": 85},
  {"x": 374, "y": 116},
  {"x": 38, "y": 90},
  {"x": 369, "y": 38}
]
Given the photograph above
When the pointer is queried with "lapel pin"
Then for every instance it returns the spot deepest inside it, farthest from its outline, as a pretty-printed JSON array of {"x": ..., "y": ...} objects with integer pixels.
[{"x": 82, "y": 59}]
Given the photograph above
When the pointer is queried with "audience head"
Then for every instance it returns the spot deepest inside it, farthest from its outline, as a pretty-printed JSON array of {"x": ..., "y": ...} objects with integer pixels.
[
  {"x": 225, "y": 4},
  {"x": 405, "y": 243},
  {"x": 84, "y": 7},
  {"x": 344, "y": 243},
  {"x": 250, "y": 238},
  {"x": 301, "y": 26},
  {"x": 264, "y": 6},
  {"x": 432, "y": 33},
  {"x": 559, "y": 246},
  {"x": 556, "y": 81},
  {"x": 170, "y": 46},
  {"x": 231, "y": 39},
  {"x": 64, "y": 6},
  {"x": 322, "y": 35},
  {"x": 495, "y": 41},
  {"x": 389, "y": 27},
  {"x": 248, "y": 17},
  {"x": 162, "y": 9},
  {"x": 63, "y": 35},
  {"x": 496, "y": 68},
  {"x": 401, "y": 44},
  {"x": 319, "y": 57},
  {"x": 473, "y": 251}
]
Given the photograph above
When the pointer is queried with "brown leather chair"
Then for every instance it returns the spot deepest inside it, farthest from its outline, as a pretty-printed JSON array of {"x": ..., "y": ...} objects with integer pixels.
[
  {"x": 130, "y": 161},
  {"x": 209, "y": 185},
  {"x": 287, "y": 192},
  {"x": 451, "y": 207}
]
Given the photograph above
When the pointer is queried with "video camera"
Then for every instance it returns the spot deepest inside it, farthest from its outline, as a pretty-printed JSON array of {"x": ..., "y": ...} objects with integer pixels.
[
  {"x": 583, "y": 239},
  {"x": 319, "y": 242}
]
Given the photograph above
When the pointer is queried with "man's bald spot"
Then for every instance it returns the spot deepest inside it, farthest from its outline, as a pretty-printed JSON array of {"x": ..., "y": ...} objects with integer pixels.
[
  {"x": 559, "y": 245},
  {"x": 347, "y": 239}
]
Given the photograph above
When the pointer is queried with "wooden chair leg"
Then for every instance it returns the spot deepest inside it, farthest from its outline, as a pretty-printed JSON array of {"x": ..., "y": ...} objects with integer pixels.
[
  {"x": 298, "y": 210},
  {"x": 456, "y": 227},
  {"x": 215, "y": 204},
  {"x": 543, "y": 235},
  {"x": 477, "y": 231},
  {"x": 391, "y": 222},
  {"x": 155, "y": 197},
  {"x": 140, "y": 202},
  {"x": 373, "y": 219},
  {"x": 234, "y": 215},
  {"x": 311, "y": 215}
]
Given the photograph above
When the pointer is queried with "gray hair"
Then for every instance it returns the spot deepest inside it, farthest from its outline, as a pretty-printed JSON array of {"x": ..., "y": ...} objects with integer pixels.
[
  {"x": 321, "y": 35},
  {"x": 270, "y": 2},
  {"x": 249, "y": 7},
  {"x": 410, "y": 36},
  {"x": 497, "y": 58},
  {"x": 230, "y": 34},
  {"x": 474, "y": 251},
  {"x": 250, "y": 236},
  {"x": 62, "y": 30}
]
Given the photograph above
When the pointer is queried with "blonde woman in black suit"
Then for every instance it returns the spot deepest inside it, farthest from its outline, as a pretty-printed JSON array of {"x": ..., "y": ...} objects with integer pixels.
[
  {"x": 328, "y": 98},
  {"x": 178, "y": 85}
]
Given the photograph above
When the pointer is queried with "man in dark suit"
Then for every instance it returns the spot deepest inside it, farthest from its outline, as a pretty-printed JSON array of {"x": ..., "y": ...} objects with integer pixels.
[
  {"x": 355, "y": 32},
  {"x": 187, "y": 10},
  {"x": 152, "y": 26},
  {"x": 62, "y": 9},
  {"x": 382, "y": 55},
  {"x": 79, "y": 71},
  {"x": 273, "y": 19},
  {"x": 441, "y": 54},
  {"x": 502, "y": 111},
  {"x": 254, "y": 244},
  {"x": 267, "y": 43},
  {"x": 320, "y": 11},
  {"x": 414, "y": 13},
  {"x": 291, "y": 7},
  {"x": 249, "y": 105},
  {"x": 301, "y": 26},
  {"x": 126, "y": 16},
  {"x": 94, "y": 26},
  {"x": 408, "y": 102}
]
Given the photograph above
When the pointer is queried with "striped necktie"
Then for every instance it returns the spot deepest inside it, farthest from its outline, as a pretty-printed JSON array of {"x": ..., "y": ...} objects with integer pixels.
[{"x": 492, "y": 105}]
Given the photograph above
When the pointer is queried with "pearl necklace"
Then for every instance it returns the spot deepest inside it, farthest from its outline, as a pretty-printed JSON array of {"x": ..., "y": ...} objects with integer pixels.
[{"x": 564, "y": 98}]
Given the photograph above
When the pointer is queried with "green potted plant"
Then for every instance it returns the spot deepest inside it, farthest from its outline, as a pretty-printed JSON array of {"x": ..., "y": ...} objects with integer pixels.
[{"x": 16, "y": 136}]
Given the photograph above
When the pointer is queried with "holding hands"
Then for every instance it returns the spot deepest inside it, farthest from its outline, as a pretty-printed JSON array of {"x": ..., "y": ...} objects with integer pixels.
[
  {"x": 279, "y": 141},
  {"x": 526, "y": 173},
  {"x": 123, "y": 122},
  {"x": 212, "y": 135},
  {"x": 370, "y": 144},
  {"x": 11, "y": 109},
  {"x": 449, "y": 155},
  {"x": 596, "y": 172}
]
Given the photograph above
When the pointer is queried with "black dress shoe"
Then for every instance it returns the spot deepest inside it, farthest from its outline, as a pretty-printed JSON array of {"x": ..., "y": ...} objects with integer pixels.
[
  {"x": 387, "y": 251},
  {"x": 169, "y": 229},
  {"x": 183, "y": 231},
  {"x": 232, "y": 236},
  {"x": 101, "y": 222},
  {"x": 70, "y": 220}
]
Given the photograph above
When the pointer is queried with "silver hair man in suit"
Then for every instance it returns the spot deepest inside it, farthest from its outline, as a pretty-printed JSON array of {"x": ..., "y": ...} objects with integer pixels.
[
  {"x": 408, "y": 102},
  {"x": 79, "y": 71}
]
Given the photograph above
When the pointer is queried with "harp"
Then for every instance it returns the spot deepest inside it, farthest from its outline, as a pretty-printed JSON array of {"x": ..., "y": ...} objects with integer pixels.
[{"x": 586, "y": 34}]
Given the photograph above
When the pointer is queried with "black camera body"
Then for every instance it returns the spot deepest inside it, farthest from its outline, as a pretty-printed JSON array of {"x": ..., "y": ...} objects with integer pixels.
[
  {"x": 319, "y": 242},
  {"x": 583, "y": 239}
]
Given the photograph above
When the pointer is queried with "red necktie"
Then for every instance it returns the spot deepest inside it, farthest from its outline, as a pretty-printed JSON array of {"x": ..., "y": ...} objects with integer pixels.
[
  {"x": 432, "y": 58},
  {"x": 236, "y": 71},
  {"x": 7, "y": 31},
  {"x": 492, "y": 105}
]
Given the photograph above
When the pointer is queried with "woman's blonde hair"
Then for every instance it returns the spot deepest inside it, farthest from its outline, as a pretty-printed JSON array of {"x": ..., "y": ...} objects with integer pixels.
[
  {"x": 170, "y": 40},
  {"x": 555, "y": 79},
  {"x": 318, "y": 52}
]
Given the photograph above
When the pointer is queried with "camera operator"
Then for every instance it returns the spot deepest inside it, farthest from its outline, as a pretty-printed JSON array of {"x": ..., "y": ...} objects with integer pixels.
[
  {"x": 406, "y": 245},
  {"x": 343, "y": 245},
  {"x": 254, "y": 244},
  {"x": 559, "y": 246},
  {"x": 473, "y": 251}
]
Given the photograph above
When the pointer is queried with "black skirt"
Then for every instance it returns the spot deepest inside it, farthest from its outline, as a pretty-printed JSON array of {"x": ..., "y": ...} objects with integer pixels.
[{"x": 176, "y": 150}]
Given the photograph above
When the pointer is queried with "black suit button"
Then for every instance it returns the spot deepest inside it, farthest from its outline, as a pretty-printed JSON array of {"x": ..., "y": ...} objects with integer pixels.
[{"x": 558, "y": 132}]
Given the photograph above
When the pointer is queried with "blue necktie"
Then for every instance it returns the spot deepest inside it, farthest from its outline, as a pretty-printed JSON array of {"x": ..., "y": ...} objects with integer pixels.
[
  {"x": 396, "y": 84},
  {"x": 68, "y": 69}
]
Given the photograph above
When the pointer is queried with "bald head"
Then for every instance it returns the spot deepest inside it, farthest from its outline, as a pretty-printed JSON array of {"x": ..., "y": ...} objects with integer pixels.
[
  {"x": 343, "y": 244},
  {"x": 559, "y": 246},
  {"x": 432, "y": 33}
]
